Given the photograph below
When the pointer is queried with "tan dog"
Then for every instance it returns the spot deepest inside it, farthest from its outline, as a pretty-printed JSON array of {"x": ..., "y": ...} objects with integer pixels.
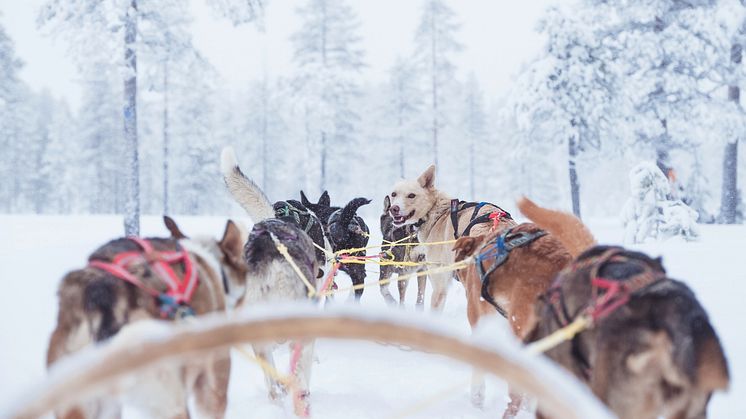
[
  {"x": 418, "y": 202},
  {"x": 651, "y": 351},
  {"x": 513, "y": 284},
  {"x": 95, "y": 305}
]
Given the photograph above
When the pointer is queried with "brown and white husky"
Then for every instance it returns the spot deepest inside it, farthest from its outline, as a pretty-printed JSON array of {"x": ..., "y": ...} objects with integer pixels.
[{"x": 96, "y": 305}]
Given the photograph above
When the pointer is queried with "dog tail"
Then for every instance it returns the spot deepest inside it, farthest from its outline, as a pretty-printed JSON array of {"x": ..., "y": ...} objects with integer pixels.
[
  {"x": 244, "y": 190},
  {"x": 567, "y": 228},
  {"x": 349, "y": 211}
]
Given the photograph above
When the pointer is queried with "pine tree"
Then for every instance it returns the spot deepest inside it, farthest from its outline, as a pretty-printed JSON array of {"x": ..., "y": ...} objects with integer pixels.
[
  {"x": 402, "y": 110},
  {"x": 568, "y": 95},
  {"x": 435, "y": 43},
  {"x": 13, "y": 102},
  {"x": 328, "y": 57},
  {"x": 474, "y": 123}
]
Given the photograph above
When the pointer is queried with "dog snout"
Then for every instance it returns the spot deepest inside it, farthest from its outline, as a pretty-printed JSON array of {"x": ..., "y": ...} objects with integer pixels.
[{"x": 394, "y": 210}]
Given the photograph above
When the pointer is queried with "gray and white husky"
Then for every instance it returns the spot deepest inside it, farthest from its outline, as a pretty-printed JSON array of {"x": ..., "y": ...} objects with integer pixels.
[{"x": 270, "y": 276}]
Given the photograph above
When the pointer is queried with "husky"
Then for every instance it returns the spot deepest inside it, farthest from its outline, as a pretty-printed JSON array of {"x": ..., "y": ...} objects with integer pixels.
[
  {"x": 345, "y": 230},
  {"x": 440, "y": 218},
  {"x": 516, "y": 265},
  {"x": 95, "y": 304},
  {"x": 270, "y": 277},
  {"x": 651, "y": 351},
  {"x": 401, "y": 235}
]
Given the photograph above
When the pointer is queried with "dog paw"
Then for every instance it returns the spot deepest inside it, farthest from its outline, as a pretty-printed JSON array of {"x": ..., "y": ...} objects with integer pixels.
[
  {"x": 301, "y": 404},
  {"x": 277, "y": 392}
]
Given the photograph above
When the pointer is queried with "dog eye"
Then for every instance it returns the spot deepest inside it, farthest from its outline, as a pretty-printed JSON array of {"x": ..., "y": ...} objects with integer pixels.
[
  {"x": 411, "y": 196},
  {"x": 393, "y": 194}
]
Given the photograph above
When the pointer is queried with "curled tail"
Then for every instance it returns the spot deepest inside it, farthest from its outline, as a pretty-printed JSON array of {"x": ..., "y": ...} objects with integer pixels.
[
  {"x": 567, "y": 228},
  {"x": 244, "y": 190},
  {"x": 349, "y": 211}
]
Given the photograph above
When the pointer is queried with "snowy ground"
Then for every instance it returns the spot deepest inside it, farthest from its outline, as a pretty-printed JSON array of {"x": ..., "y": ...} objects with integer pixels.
[{"x": 351, "y": 379}]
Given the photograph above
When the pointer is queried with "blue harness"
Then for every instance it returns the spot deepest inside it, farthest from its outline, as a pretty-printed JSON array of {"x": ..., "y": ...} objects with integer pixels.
[{"x": 500, "y": 250}]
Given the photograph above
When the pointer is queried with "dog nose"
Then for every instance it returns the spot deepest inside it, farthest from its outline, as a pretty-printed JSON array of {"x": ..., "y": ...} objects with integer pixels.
[{"x": 395, "y": 209}]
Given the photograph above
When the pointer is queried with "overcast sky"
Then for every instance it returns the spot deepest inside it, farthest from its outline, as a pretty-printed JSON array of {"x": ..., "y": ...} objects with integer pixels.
[{"x": 499, "y": 36}]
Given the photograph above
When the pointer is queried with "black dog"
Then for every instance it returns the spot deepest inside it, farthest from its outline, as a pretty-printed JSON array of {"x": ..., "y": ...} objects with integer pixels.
[
  {"x": 345, "y": 230},
  {"x": 407, "y": 235},
  {"x": 296, "y": 213}
]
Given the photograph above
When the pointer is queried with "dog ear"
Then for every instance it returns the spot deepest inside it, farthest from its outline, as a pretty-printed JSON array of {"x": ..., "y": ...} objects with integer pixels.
[
  {"x": 427, "y": 178},
  {"x": 386, "y": 204},
  {"x": 231, "y": 243},
  {"x": 173, "y": 228},
  {"x": 466, "y": 246},
  {"x": 325, "y": 200},
  {"x": 304, "y": 200}
]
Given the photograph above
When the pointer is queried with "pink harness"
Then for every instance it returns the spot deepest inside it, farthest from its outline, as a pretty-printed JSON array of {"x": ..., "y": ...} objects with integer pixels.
[{"x": 179, "y": 290}]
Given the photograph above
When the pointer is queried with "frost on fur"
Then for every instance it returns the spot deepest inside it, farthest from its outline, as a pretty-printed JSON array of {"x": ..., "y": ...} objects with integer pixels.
[{"x": 652, "y": 211}]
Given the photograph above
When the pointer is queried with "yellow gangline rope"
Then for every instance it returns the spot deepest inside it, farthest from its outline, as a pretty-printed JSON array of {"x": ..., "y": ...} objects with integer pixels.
[
  {"x": 284, "y": 252},
  {"x": 448, "y": 268},
  {"x": 566, "y": 333}
]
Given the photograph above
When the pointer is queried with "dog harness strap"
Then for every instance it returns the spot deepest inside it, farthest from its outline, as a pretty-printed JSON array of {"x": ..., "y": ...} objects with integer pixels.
[
  {"x": 500, "y": 250},
  {"x": 122, "y": 274},
  {"x": 475, "y": 219},
  {"x": 454, "y": 217},
  {"x": 173, "y": 301}
]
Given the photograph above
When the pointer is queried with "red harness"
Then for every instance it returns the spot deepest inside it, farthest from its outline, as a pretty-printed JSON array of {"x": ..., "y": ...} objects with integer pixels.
[
  {"x": 607, "y": 295},
  {"x": 179, "y": 291}
]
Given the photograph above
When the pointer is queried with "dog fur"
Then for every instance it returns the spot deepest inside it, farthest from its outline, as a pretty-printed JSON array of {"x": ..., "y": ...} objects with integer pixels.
[
  {"x": 270, "y": 278},
  {"x": 400, "y": 254},
  {"x": 95, "y": 306},
  {"x": 656, "y": 356},
  {"x": 418, "y": 201},
  {"x": 345, "y": 230},
  {"x": 254, "y": 201},
  {"x": 515, "y": 285}
]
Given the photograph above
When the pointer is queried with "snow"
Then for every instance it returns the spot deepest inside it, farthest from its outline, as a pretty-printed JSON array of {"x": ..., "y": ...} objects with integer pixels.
[{"x": 350, "y": 379}]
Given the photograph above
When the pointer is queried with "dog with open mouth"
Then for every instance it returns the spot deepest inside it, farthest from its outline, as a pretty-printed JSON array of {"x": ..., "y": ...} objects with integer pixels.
[
  {"x": 406, "y": 251},
  {"x": 439, "y": 218}
]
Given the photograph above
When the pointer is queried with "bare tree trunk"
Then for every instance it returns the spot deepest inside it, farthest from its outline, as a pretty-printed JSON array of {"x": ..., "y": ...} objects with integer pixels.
[
  {"x": 165, "y": 138},
  {"x": 572, "y": 151},
  {"x": 323, "y": 132},
  {"x": 322, "y": 185},
  {"x": 729, "y": 194},
  {"x": 265, "y": 112},
  {"x": 434, "y": 46},
  {"x": 401, "y": 146},
  {"x": 471, "y": 168},
  {"x": 132, "y": 206}
]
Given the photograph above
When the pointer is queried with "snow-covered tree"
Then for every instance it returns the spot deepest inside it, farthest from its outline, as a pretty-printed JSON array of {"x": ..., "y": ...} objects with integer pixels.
[
  {"x": 435, "y": 46},
  {"x": 61, "y": 164},
  {"x": 730, "y": 197},
  {"x": 568, "y": 95},
  {"x": 474, "y": 122},
  {"x": 328, "y": 58},
  {"x": 13, "y": 96},
  {"x": 402, "y": 109},
  {"x": 94, "y": 29},
  {"x": 651, "y": 211}
]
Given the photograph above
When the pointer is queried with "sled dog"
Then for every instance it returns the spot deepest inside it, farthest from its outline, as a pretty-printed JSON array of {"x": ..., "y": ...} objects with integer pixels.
[
  {"x": 100, "y": 300},
  {"x": 270, "y": 276},
  {"x": 651, "y": 350},
  {"x": 439, "y": 218}
]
